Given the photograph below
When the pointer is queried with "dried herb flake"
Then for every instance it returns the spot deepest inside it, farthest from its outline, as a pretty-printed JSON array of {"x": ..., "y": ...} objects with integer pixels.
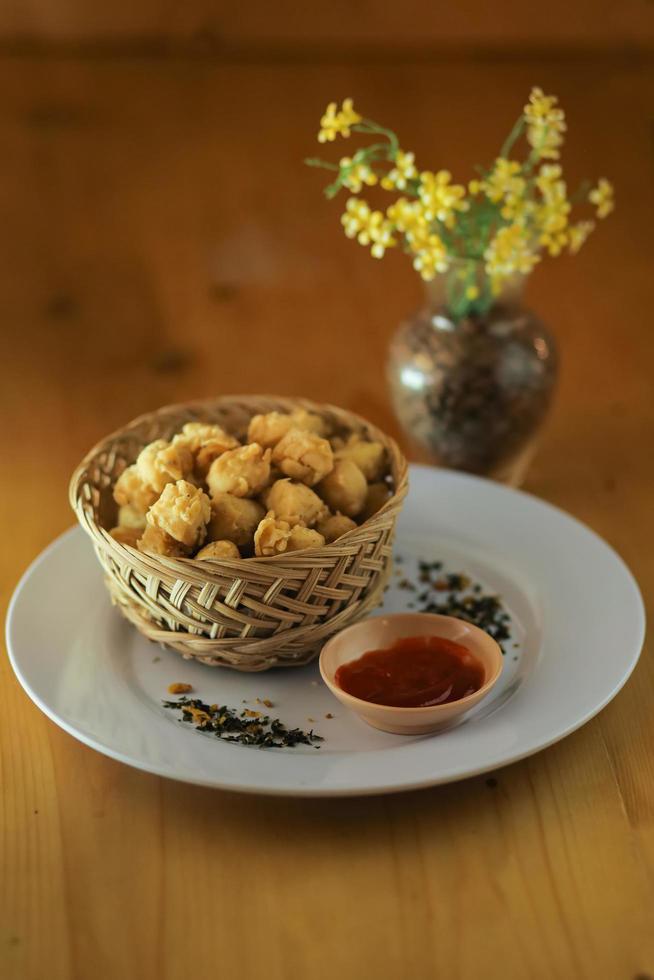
[
  {"x": 454, "y": 594},
  {"x": 246, "y": 728}
]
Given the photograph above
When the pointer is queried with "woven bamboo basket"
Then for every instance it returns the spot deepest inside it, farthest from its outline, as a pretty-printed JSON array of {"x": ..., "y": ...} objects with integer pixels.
[{"x": 253, "y": 613}]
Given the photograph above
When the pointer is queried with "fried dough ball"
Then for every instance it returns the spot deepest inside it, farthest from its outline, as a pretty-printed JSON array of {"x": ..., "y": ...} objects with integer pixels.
[
  {"x": 243, "y": 472},
  {"x": 182, "y": 511},
  {"x": 295, "y": 503},
  {"x": 303, "y": 537},
  {"x": 162, "y": 462},
  {"x": 234, "y": 519},
  {"x": 205, "y": 442},
  {"x": 268, "y": 429},
  {"x": 126, "y": 535},
  {"x": 130, "y": 490},
  {"x": 129, "y": 517},
  {"x": 376, "y": 496},
  {"x": 370, "y": 457},
  {"x": 334, "y": 526},
  {"x": 156, "y": 541},
  {"x": 311, "y": 422},
  {"x": 219, "y": 549},
  {"x": 304, "y": 456},
  {"x": 195, "y": 435},
  {"x": 271, "y": 536},
  {"x": 344, "y": 488}
]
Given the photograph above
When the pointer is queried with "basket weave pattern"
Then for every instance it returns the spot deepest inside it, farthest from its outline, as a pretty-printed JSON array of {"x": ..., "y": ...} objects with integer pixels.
[{"x": 249, "y": 614}]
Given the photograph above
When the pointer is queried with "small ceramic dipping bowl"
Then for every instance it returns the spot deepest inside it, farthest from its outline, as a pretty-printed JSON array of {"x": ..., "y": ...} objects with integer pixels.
[{"x": 382, "y": 631}]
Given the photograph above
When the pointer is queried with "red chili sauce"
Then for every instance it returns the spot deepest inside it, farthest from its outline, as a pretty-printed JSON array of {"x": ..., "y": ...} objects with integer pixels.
[{"x": 415, "y": 672}]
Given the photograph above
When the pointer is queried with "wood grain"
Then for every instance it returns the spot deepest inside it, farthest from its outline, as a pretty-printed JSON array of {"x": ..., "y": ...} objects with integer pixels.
[{"x": 162, "y": 241}]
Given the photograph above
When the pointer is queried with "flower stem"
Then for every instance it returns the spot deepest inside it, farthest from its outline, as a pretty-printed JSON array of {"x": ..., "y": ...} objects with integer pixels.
[
  {"x": 515, "y": 133},
  {"x": 317, "y": 162},
  {"x": 368, "y": 126}
]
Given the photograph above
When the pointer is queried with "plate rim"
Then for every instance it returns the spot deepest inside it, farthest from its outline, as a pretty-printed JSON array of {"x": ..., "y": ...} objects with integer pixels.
[{"x": 314, "y": 791}]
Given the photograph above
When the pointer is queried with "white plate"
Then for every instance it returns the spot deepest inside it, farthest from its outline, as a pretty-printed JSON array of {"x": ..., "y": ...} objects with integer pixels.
[{"x": 577, "y": 619}]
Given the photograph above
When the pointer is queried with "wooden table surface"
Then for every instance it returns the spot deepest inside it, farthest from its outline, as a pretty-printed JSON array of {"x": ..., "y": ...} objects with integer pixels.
[{"x": 160, "y": 240}]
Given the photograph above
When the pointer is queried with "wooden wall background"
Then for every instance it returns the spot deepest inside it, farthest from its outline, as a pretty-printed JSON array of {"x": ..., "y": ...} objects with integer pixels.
[
  {"x": 154, "y": 213},
  {"x": 340, "y": 24}
]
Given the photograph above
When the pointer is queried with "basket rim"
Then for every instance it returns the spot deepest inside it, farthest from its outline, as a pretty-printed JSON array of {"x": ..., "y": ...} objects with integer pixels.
[{"x": 101, "y": 534}]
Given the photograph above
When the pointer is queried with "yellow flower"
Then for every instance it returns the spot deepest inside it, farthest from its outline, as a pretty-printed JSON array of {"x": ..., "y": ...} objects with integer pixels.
[
  {"x": 577, "y": 235},
  {"x": 368, "y": 227},
  {"x": 509, "y": 252},
  {"x": 349, "y": 116},
  {"x": 506, "y": 184},
  {"x": 355, "y": 217},
  {"x": 602, "y": 197},
  {"x": 403, "y": 171},
  {"x": 504, "y": 181},
  {"x": 545, "y": 124},
  {"x": 548, "y": 175},
  {"x": 472, "y": 292},
  {"x": 551, "y": 215},
  {"x": 440, "y": 197},
  {"x": 381, "y": 235},
  {"x": 431, "y": 259},
  {"x": 554, "y": 241},
  {"x": 520, "y": 210},
  {"x": 529, "y": 210},
  {"x": 356, "y": 175},
  {"x": 329, "y": 124},
  {"x": 407, "y": 216},
  {"x": 428, "y": 248},
  {"x": 334, "y": 123}
]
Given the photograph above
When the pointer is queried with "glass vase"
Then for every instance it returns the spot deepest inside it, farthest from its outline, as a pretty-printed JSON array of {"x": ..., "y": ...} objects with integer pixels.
[{"x": 472, "y": 375}]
